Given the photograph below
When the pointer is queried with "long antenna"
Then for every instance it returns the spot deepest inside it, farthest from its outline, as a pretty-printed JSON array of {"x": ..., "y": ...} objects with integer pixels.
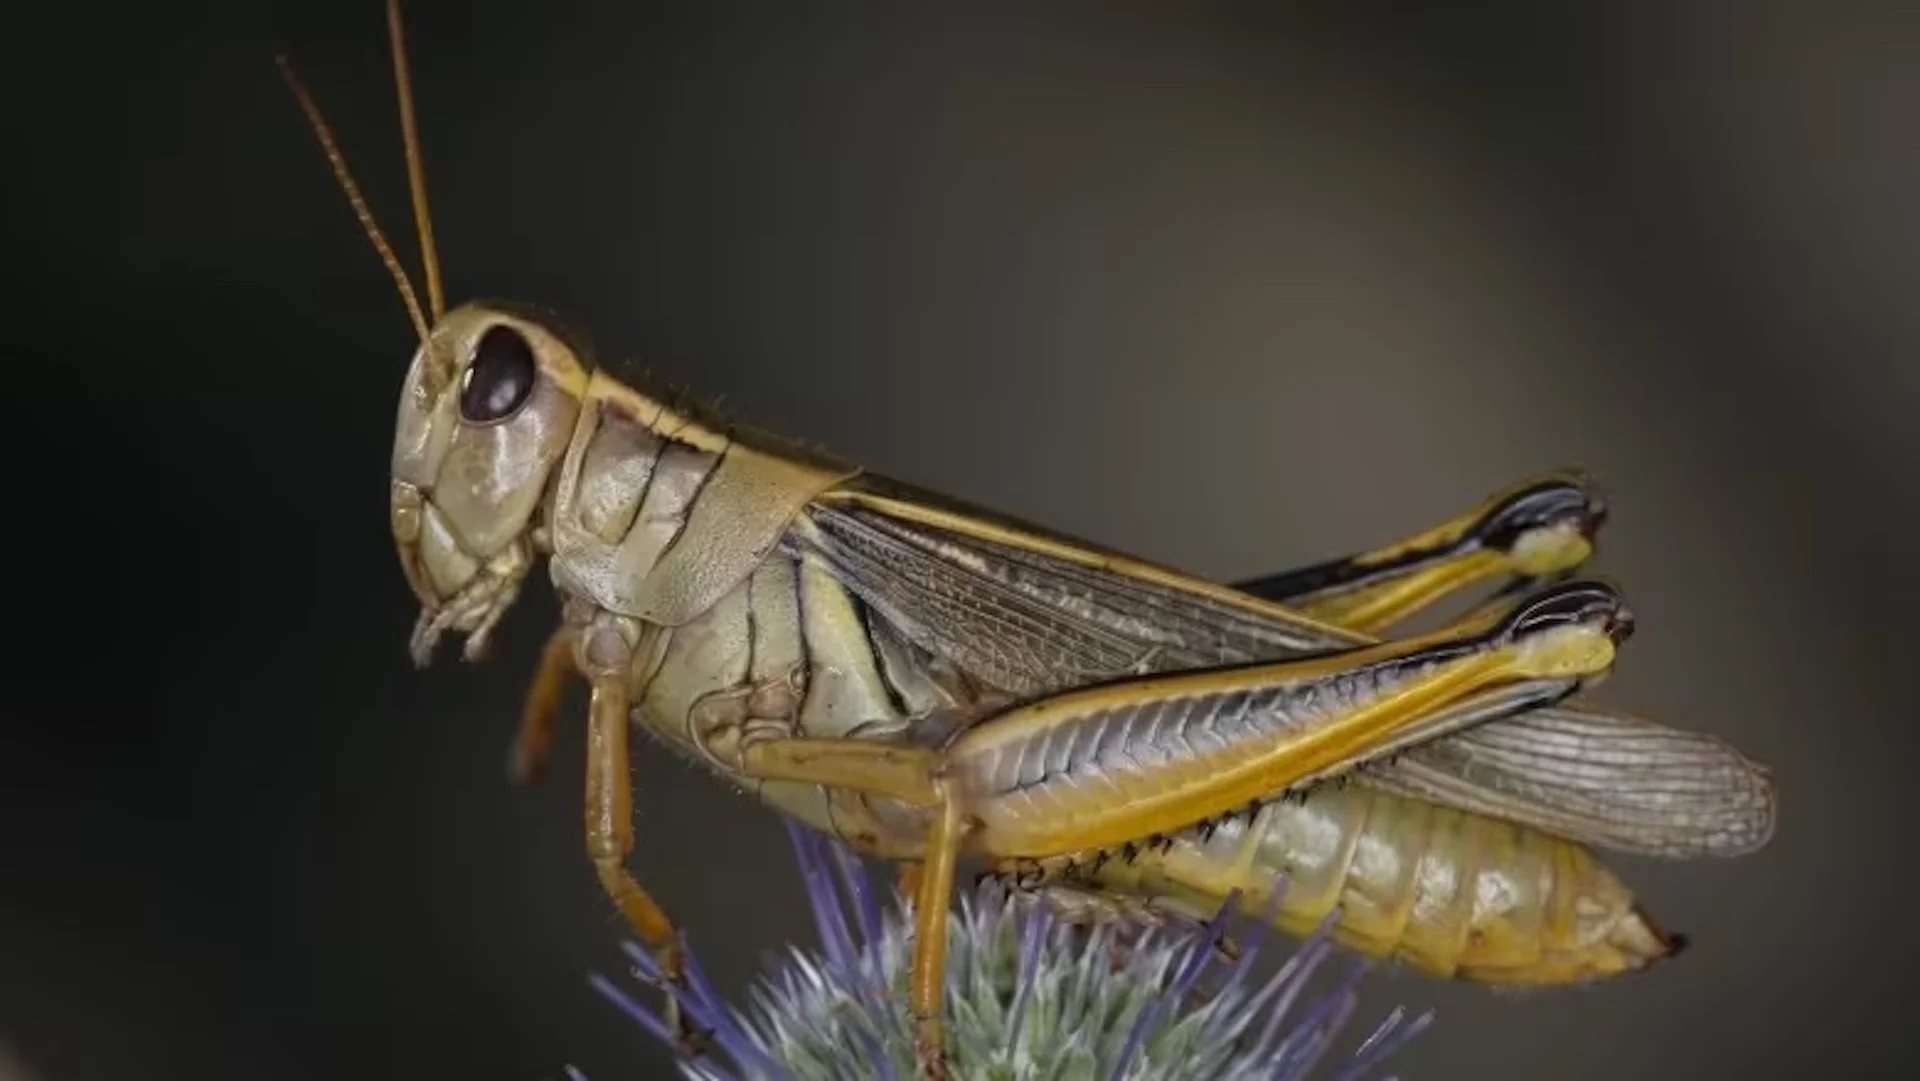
[
  {"x": 416, "y": 171},
  {"x": 345, "y": 177}
]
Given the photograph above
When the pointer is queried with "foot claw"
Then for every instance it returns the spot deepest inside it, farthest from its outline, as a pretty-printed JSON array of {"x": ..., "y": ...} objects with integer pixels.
[
  {"x": 690, "y": 1041},
  {"x": 931, "y": 1053}
]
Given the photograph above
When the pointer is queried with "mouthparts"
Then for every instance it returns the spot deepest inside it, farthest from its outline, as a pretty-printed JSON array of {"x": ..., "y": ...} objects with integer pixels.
[{"x": 475, "y": 610}]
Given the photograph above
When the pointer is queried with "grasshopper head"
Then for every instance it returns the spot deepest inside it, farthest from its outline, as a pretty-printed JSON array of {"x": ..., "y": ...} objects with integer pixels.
[{"x": 485, "y": 416}]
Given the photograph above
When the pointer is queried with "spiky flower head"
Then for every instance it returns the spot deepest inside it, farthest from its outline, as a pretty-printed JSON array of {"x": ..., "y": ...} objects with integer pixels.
[{"x": 1029, "y": 998}]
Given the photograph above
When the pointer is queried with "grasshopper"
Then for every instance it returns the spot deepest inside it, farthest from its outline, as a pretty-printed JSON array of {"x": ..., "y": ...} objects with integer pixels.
[{"x": 930, "y": 681}]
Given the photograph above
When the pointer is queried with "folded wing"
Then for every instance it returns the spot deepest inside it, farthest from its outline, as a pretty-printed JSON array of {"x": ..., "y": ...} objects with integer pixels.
[{"x": 1030, "y": 612}]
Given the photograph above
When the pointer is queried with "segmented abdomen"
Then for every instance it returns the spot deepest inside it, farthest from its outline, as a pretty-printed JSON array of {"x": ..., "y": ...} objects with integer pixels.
[{"x": 1451, "y": 893}]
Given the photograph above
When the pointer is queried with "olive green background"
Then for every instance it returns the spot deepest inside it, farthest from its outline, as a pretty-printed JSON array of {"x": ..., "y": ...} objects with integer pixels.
[{"x": 1233, "y": 290}]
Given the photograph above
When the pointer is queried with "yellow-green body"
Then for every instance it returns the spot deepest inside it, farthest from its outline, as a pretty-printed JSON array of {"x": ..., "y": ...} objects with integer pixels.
[{"x": 698, "y": 556}]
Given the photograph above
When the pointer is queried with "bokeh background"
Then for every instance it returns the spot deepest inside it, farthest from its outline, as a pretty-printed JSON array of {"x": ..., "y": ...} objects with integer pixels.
[{"x": 1232, "y": 288}]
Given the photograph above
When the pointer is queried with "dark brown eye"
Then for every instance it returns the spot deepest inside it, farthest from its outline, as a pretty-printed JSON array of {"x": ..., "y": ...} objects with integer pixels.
[{"x": 500, "y": 378}]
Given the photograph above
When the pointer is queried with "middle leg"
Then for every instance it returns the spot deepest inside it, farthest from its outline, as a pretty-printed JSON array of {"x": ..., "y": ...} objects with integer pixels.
[{"x": 912, "y": 775}]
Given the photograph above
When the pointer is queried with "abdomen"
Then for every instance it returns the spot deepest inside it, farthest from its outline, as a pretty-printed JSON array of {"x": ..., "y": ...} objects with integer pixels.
[{"x": 1450, "y": 893}]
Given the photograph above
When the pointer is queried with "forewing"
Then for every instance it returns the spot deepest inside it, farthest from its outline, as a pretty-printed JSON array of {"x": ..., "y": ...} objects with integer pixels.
[
  {"x": 1029, "y": 611},
  {"x": 961, "y": 574},
  {"x": 1014, "y": 643}
]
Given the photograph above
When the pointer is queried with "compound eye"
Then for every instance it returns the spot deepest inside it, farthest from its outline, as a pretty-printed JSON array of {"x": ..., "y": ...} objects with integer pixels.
[{"x": 499, "y": 380}]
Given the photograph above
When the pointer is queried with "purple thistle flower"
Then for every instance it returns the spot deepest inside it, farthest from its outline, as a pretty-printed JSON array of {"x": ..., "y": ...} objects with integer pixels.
[{"x": 1029, "y": 997}]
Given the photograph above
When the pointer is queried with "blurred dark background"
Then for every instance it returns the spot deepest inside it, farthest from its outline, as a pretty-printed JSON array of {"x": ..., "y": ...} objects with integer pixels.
[{"x": 1233, "y": 290}]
